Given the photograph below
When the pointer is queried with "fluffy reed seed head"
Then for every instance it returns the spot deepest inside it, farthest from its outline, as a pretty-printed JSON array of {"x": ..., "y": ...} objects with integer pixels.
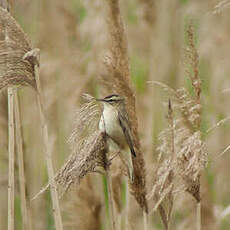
[
  {"x": 90, "y": 156},
  {"x": 182, "y": 141},
  {"x": 164, "y": 180},
  {"x": 14, "y": 44},
  {"x": 88, "y": 145}
]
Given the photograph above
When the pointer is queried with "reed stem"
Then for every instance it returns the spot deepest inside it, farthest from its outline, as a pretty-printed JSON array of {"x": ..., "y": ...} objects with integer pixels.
[
  {"x": 26, "y": 218},
  {"x": 11, "y": 149},
  {"x": 145, "y": 220},
  {"x": 126, "y": 211},
  {"x": 198, "y": 217},
  {"x": 48, "y": 156},
  {"x": 111, "y": 203}
]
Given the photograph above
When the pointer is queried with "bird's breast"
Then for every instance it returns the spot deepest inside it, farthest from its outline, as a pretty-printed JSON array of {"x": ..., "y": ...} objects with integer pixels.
[{"x": 110, "y": 123}]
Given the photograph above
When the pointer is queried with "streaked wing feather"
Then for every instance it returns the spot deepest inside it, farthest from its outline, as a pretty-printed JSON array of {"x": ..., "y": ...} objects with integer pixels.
[{"x": 124, "y": 123}]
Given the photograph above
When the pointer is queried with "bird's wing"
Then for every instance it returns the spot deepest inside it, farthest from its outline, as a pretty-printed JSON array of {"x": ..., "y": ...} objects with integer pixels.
[{"x": 124, "y": 123}]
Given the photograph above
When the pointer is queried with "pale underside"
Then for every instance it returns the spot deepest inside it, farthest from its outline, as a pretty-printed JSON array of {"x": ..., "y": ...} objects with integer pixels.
[{"x": 109, "y": 123}]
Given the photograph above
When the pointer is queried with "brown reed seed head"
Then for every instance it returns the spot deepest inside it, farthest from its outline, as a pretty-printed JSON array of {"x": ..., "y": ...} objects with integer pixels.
[
  {"x": 85, "y": 123},
  {"x": 117, "y": 80},
  {"x": 192, "y": 58},
  {"x": 91, "y": 156},
  {"x": 88, "y": 146},
  {"x": 190, "y": 155},
  {"x": 14, "y": 44},
  {"x": 164, "y": 179}
]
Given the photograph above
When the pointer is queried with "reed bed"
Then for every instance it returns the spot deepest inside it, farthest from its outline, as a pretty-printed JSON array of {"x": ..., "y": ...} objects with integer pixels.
[{"x": 55, "y": 160}]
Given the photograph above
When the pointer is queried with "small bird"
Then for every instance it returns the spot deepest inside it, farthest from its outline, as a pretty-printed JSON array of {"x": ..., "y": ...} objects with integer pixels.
[{"x": 114, "y": 121}]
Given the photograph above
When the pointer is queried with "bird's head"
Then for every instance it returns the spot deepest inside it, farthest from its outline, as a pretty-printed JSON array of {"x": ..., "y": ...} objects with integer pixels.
[{"x": 113, "y": 100}]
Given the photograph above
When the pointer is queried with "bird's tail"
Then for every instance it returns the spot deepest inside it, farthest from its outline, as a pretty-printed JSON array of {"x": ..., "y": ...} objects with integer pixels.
[{"x": 127, "y": 159}]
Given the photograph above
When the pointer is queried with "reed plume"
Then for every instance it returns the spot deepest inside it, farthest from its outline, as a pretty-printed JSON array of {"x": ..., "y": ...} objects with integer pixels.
[
  {"x": 190, "y": 156},
  {"x": 164, "y": 181},
  {"x": 16, "y": 72},
  {"x": 116, "y": 79}
]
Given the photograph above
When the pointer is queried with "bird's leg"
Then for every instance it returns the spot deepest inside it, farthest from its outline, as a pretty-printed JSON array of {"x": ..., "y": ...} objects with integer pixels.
[{"x": 114, "y": 156}]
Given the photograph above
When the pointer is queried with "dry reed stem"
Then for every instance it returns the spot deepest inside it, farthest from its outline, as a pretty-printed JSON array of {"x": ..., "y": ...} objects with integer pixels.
[
  {"x": 14, "y": 71},
  {"x": 11, "y": 150},
  {"x": 126, "y": 211},
  {"x": 198, "y": 216},
  {"x": 26, "y": 217},
  {"x": 117, "y": 80},
  {"x": 111, "y": 201},
  {"x": 48, "y": 156},
  {"x": 218, "y": 124},
  {"x": 117, "y": 185},
  {"x": 11, "y": 122},
  {"x": 33, "y": 57},
  {"x": 145, "y": 219}
]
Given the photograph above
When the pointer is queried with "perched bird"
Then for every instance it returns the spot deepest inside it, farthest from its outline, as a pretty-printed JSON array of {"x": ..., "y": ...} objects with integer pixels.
[{"x": 114, "y": 121}]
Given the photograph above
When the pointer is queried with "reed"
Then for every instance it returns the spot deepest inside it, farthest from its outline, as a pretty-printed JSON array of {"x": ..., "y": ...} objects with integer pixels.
[
  {"x": 11, "y": 150},
  {"x": 117, "y": 79},
  {"x": 11, "y": 135},
  {"x": 25, "y": 209},
  {"x": 33, "y": 57}
]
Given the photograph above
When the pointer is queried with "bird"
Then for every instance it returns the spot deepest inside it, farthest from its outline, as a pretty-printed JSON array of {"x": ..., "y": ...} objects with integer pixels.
[{"x": 115, "y": 122}]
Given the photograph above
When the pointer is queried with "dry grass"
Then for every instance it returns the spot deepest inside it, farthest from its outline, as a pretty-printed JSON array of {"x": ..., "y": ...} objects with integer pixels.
[{"x": 125, "y": 44}]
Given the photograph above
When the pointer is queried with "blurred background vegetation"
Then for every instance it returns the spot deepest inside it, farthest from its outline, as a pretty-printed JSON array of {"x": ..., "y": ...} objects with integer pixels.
[{"x": 72, "y": 38}]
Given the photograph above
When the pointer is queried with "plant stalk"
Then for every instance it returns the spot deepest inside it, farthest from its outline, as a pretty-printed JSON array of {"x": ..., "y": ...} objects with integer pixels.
[
  {"x": 198, "y": 217},
  {"x": 11, "y": 141},
  {"x": 126, "y": 211},
  {"x": 11, "y": 150},
  {"x": 48, "y": 156},
  {"x": 145, "y": 220},
  {"x": 111, "y": 203},
  {"x": 26, "y": 218}
]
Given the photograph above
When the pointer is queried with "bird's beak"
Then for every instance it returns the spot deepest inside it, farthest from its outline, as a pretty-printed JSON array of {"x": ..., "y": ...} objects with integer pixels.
[{"x": 100, "y": 100}]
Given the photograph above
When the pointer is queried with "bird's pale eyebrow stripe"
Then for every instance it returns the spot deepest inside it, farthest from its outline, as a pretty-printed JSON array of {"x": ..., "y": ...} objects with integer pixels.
[{"x": 111, "y": 96}]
